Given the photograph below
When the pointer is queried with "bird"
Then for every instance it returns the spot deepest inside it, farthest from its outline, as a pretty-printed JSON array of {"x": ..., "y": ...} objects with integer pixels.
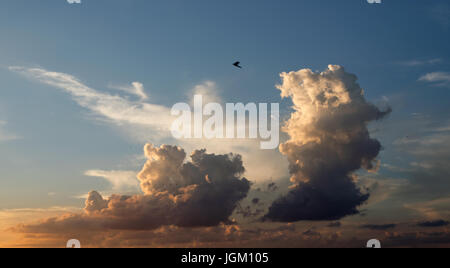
[{"x": 237, "y": 64}]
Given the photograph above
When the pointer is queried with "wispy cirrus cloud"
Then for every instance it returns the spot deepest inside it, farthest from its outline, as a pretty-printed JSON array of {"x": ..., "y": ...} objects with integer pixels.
[
  {"x": 439, "y": 78},
  {"x": 144, "y": 122},
  {"x": 120, "y": 180},
  {"x": 427, "y": 170},
  {"x": 431, "y": 209},
  {"x": 154, "y": 120},
  {"x": 136, "y": 89},
  {"x": 416, "y": 63}
]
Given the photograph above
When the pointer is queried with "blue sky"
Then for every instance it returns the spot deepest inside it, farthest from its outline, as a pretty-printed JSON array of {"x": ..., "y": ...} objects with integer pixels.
[
  {"x": 170, "y": 46},
  {"x": 173, "y": 45}
]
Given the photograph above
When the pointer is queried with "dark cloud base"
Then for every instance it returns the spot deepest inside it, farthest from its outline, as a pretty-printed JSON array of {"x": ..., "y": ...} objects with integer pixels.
[
  {"x": 202, "y": 192},
  {"x": 311, "y": 204},
  {"x": 433, "y": 224}
]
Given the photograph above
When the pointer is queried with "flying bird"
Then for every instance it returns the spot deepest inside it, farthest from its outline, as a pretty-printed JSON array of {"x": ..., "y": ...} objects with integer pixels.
[{"x": 237, "y": 64}]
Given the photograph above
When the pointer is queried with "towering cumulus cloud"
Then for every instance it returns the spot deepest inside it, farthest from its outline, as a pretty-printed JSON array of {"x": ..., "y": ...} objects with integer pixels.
[
  {"x": 201, "y": 193},
  {"x": 329, "y": 141}
]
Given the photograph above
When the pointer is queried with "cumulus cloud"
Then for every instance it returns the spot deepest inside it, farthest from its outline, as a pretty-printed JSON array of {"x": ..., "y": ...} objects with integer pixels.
[
  {"x": 209, "y": 90},
  {"x": 95, "y": 202},
  {"x": 329, "y": 141},
  {"x": 202, "y": 192}
]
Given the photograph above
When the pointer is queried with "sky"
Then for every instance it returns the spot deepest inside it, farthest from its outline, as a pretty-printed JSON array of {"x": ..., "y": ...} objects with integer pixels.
[{"x": 86, "y": 91}]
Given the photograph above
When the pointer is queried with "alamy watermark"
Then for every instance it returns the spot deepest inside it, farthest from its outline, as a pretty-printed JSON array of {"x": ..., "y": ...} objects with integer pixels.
[
  {"x": 238, "y": 121},
  {"x": 73, "y": 243},
  {"x": 374, "y": 243}
]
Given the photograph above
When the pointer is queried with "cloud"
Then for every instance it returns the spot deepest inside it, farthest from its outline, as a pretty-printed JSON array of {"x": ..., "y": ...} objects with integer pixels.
[
  {"x": 381, "y": 227},
  {"x": 222, "y": 236},
  {"x": 95, "y": 202},
  {"x": 119, "y": 179},
  {"x": 153, "y": 119},
  {"x": 336, "y": 224},
  {"x": 272, "y": 187},
  {"x": 416, "y": 63},
  {"x": 329, "y": 141},
  {"x": 143, "y": 121},
  {"x": 199, "y": 193},
  {"x": 14, "y": 217},
  {"x": 248, "y": 212},
  {"x": 256, "y": 201},
  {"x": 417, "y": 239},
  {"x": 423, "y": 142},
  {"x": 431, "y": 209},
  {"x": 440, "y": 78},
  {"x": 209, "y": 90},
  {"x": 429, "y": 151},
  {"x": 226, "y": 236},
  {"x": 136, "y": 89},
  {"x": 432, "y": 224}
]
